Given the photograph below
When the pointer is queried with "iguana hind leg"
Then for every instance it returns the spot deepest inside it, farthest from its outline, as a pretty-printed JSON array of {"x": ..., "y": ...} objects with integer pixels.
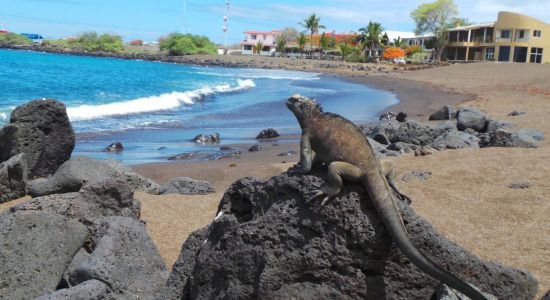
[
  {"x": 338, "y": 171},
  {"x": 389, "y": 172}
]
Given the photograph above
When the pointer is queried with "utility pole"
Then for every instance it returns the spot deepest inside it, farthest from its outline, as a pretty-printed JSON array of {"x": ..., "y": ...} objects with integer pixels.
[{"x": 224, "y": 27}]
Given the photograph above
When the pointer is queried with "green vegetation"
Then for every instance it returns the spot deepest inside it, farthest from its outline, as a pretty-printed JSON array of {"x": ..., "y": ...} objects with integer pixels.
[
  {"x": 90, "y": 41},
  {"x": 258, "y": 47},
  {"x": 371, "y": 36},
  {"x": 281, "y": 44},
  {"x": 434, "y": 18},
  {"x": 185, "y": 44},
  {"x": 14, "y": 39},
  {"x": 312, "y": 23},
  {"x": 302, "y": 40}
]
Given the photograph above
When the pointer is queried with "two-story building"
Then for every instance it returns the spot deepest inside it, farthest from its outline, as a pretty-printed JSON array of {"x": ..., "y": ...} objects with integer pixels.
[
  {"x": 266, "y": 38},
  {"x": 512, "y": 38}
]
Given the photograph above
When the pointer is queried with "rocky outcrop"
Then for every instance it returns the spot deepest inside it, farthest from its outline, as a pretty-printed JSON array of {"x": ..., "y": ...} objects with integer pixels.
[
  {"x": 268, "y": 133},
  {"x": 186, "y": 186},
  {"x": 35, "y": 250},
  {"x": 88, "y": 290},
  {"x": 42, "y": 131},
  {"x": 81, "y": 171},
  {"x": 255, "y": 148},
  {"x": 267, "y": 242},
  {"x": 13, "y": 178},
  {"x": 126, "y": 258}
]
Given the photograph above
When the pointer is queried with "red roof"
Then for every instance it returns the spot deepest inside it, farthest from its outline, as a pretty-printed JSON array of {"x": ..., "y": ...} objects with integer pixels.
[{"x": 3, "y": 31}]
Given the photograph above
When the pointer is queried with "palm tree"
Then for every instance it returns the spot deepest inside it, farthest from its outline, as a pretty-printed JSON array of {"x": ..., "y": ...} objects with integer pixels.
[
  {"x": 259, "y": 46},
  {"x": 344, "y": 50},
  {"x": 312, "y": 24},
  {"x": 324, "y": 43},
  {"x": 302, "y": 40},
  {"x": 398, "y": 42},
  {"x": 371, "y": 36}
]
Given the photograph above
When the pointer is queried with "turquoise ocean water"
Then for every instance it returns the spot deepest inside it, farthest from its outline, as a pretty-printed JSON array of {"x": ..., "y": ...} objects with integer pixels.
[{"x": 149, "y": 105}]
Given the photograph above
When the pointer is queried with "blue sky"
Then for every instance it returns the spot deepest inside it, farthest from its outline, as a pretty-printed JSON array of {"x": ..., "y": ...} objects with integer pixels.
[{"x": 149, "y": 19}]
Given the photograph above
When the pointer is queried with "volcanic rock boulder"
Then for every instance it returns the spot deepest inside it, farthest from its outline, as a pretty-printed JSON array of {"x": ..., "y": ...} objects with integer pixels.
[
  {"x": 35, "y": 250},
  {"x": 81, "y": 171},
  {"x": 267, "y": 242},
  {"x": 187, "y": 186},
  {"x": 455, "y": 140},
  {"x": 471, "y": 117},
  {"x": 97, "y": 200},
  {"x": 13, "y": 178},
  {"x": 89, "y": 290},
  {"x": 41, "y": 129},
  {"x": 447, "y": 112},
  {"x": 267, "y": 133},
  {"x": 125, "y": 258},
  {"x": 410, "y": 132}
]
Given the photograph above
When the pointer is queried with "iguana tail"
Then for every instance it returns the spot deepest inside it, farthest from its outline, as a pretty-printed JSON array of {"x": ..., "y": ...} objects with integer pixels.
[{"x": 388, "y": 211}]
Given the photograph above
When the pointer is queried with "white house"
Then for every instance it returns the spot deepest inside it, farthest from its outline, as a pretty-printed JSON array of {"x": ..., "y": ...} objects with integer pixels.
[{"x": 266, "y": 38}]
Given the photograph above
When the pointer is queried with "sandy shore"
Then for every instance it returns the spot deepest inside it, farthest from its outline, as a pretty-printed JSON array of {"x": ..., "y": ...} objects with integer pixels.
[{"x": 466, "y": 197}]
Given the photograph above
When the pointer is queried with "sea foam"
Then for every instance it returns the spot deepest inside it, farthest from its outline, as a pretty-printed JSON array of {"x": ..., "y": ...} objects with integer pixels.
[
  {"x": 154, "y": 103},
  {"x": 3, "y": 117}
]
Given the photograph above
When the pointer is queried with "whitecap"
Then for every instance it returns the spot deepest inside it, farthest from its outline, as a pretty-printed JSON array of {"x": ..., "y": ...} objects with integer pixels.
[{"x": 160, "y": 102}]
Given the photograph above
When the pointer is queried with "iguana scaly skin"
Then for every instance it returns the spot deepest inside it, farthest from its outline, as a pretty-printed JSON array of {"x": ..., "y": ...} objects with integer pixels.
[{"x": 331, "y": 139}]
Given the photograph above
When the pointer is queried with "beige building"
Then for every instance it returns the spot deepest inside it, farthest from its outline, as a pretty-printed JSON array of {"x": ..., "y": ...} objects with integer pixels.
[{"x": 512, "y": 38}]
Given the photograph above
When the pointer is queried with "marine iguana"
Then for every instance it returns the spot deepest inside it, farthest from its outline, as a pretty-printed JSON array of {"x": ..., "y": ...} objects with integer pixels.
[{"x": 331, "y": 139}]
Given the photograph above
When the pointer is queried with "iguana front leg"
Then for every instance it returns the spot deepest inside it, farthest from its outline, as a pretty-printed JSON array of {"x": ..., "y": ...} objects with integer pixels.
[
  {"x": 338, "y": 171},
  {"x": 306, "y": 155}
]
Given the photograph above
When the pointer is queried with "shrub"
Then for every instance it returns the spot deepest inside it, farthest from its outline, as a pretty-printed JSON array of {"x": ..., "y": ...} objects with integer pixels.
[
  {"x": 14, "y": 39},
  {"x": 136, "y": 43},
  {"x": 411, "y": 50},
  {"x": 393, "y": 52},
  {"x": 184, "y": 44}
]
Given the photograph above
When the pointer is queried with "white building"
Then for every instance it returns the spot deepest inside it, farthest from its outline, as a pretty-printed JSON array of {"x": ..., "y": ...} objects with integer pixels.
[{"x": 266, "y": 38}]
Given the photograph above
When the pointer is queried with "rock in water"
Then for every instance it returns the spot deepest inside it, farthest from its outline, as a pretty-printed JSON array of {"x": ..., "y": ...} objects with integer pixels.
[
  {"x": 41, "y": 129},
  {"x": 35, "y": 250},
  {"x": 125, "y": 258},
  {"x": 267, "y": 242},
  {"x": 13, "y": 178},
  {"x": 207, "y": 139},
  {"x": 114, "y": 147},
  {"x": 268, "y": 133}
]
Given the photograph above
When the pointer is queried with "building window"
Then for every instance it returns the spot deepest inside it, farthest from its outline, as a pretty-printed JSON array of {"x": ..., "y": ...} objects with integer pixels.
[
  {"x": 505, "y": 34},
  {"x": 490, "y": 54},
  {"x": 536, "y": 33},
  {"x": 265, "y": 37},
  {"x": 253, "y": 36},
  {"x": 536, "y": 55},
  {"x": 521, "y": 34},
  {"x": 247, "y": 47}
]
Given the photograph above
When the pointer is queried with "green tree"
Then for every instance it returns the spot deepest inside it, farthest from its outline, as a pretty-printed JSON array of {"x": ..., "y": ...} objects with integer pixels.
[
  {"x": 371, "y": 36},
  {"x": 434, "y": 18},
  {"x": 14, "y": 39},
  {"x": 281, "y": 44},
  {"x": 398, "y": 42},
  {"x": 344, "y": 50},
  {"x": 312, "y": 23},
  {"x": 302, "y": 40},
  {"x": 186, "y": 44}
]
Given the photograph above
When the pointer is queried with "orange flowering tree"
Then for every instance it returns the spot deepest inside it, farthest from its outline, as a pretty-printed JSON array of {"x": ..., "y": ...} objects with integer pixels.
[
  {"x": 393, "y": 52},
  {"x": 411, "y": 50}
]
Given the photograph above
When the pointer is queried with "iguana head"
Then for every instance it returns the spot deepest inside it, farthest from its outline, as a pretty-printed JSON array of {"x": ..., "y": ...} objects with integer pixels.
[{"x": 303, "y": 107}]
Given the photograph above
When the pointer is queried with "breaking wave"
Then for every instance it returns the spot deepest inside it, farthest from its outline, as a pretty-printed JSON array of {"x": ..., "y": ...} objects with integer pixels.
[{"x": 153, "y": 103}]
